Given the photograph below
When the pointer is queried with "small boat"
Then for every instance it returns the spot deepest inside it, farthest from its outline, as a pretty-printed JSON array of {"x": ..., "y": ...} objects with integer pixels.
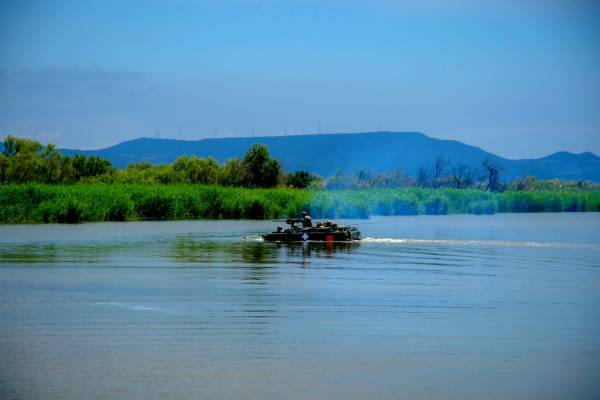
[{"x": 326, "y": 231}]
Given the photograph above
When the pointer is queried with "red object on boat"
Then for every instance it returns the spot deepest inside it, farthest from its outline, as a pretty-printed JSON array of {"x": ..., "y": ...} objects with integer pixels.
[{"x": 329, "y": 238}]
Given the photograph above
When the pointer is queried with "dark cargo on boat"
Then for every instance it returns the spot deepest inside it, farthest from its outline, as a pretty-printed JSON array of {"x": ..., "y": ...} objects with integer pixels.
[{"x": 322, "y": 232}]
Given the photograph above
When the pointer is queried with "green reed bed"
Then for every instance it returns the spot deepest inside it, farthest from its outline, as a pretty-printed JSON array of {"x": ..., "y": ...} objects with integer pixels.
[
  {"x": 363, "y": 203},
  {"x": 39, "y": 203},
  {"x": 36, "y": 203}
]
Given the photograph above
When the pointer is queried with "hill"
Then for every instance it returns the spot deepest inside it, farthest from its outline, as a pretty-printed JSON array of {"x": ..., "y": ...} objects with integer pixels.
[{"x": 327, "y": 153}]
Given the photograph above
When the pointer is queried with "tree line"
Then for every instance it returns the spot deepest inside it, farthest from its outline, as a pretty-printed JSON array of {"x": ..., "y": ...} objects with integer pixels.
[
  {"x": 445, "y": 174},
  {"x": 26, "y": 161}
]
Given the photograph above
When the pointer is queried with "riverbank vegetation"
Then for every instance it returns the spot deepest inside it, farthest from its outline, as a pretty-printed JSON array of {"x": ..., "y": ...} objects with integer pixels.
[
  {"x": 39, "y": 185},
  {"x": 26, "y": 161},
  {"x": 44, "y": 203}
]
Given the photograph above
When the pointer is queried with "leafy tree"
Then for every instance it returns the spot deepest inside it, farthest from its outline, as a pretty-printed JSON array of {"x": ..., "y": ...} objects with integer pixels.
[
  {"x": 10, "y": 146},
  {"x": 232, "y": 173},
  {"x": 299, "y": 179},
  {"x": 54, "y": 164},
  {"x": 260, "y": 169},
  {"x": 89, "y": 166},
  {"x": 24, "y": 163},
  {"x": 25, "y": 160},
  {"x": 4, "y": 163},
  {"x": 196, "y": 170}
]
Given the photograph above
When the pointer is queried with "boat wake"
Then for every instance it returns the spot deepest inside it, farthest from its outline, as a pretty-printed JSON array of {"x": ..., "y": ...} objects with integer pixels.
[
  {"x": 133, "y": 307},
  {"x": 486, "y": 243},
  {"x": 252, "y": 239}
]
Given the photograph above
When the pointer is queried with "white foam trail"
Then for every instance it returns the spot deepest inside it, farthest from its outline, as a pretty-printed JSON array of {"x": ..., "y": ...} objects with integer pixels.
[
  {"x": 492, "y": 243},
  {"x": 127, "y": 306},
  {"x": 252, "y": 238}
]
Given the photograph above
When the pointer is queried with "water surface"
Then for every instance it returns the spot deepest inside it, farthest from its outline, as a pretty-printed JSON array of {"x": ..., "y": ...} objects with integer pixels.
[{"x": 429, "y": 307}]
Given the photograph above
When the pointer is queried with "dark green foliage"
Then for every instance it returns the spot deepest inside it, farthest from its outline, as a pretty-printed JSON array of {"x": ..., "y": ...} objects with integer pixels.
[
  {"x": 24, "y": 160},
  {"x": 66, "y": 211},
  {"x": 256, "y": 210},
  {"x": 192, "y": 188},
  {"x": 119, "y": 208},
  {"x": 325, "y": 154},
  {"x": 85, "y": 167},
  {"x": 260, "y": 170},
  {"x": 300, "y": 179},
  {"x": 154, "y": 204},
  {"x": 195, "y": 170},
  {"x": 232, "y": 173},
  {"x": 34, "y": 203},
  {"x": 29, "y": 203}
]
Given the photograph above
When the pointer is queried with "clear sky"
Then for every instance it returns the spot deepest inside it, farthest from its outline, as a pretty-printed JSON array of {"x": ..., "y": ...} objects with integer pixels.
[{"x": 518, "y": 78}]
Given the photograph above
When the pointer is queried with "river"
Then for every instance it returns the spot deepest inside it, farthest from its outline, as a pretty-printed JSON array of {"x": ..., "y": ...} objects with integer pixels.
[{"x": 430, "y": 307}]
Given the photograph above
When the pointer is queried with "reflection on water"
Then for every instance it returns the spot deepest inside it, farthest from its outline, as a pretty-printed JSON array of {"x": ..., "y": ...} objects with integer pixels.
[
  {"x": 194, "y": 252},
  {"x": 493, "y": 307},
  {"x": 254, "y": 251},
  {"x": 318, "y": 249},
  {"x": 255, "y": 257}
]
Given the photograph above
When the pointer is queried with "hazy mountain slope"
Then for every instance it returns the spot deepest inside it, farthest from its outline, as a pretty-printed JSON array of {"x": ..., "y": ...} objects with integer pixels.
[{"x": 325, "y": 154}]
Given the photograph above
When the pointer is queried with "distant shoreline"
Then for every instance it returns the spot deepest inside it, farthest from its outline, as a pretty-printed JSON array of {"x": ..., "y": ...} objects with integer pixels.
[{"x": 44, "y": 203}]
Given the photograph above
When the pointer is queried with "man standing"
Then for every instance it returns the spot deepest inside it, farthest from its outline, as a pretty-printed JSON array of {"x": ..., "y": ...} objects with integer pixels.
[{"x": 306, "y": 220}]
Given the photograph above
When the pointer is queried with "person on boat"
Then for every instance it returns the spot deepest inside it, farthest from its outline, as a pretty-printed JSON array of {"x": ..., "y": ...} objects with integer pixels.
[{"x": 306, "y": 220}]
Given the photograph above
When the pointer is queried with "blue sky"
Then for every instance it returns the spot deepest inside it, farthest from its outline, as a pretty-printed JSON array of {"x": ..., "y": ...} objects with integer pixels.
[{"x": 518, "y": 78}]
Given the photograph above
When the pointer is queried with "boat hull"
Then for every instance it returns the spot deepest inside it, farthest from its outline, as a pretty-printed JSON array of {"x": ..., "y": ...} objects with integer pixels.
[{"x": 316, "y": 236}]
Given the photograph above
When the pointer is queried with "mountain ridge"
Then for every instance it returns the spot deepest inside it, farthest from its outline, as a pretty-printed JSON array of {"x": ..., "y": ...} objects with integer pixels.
[{"x": 325, "y": 154}]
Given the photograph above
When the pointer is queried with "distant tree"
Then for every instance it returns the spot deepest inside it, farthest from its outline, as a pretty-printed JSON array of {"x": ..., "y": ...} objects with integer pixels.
[
  {"x": 55, "y": 165},
  {"x": 439, "y": 167},
  {"x": 299, "y": 179},
  {"x": 393, "y": 179},
  {"x": 10, "y": 146},
  {"x": 196, "y": 170},
  {"x": 523, "y": 184},
  {"x": 437, "y": 176},
  {"x": 461, "y": 176},
  {"x": 382, "y": 180},
  {"x": 260, "y": 169},
  {"x": 89, "y": 166},
  {"x": 97, "y": 166},
  {"x": 232, "y": 173},
  {"x": 338, "y": 181},
  {"x": 139, "y": 172},
  {"x": 24, "y": 161},
  {"x": 78, "y": 164},
  {"x": 422, "y": 179},
  {"x": 492, "y": 170},
  {"x": 364, "y": 174},
  {"x": 399, "y": 179},
  {"x": 317, "y": 182},
  {"x": 4, "y": 164}
]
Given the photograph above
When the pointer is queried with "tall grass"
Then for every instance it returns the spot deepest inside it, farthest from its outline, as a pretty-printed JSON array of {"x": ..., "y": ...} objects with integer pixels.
[
  {"x": 363, "y": 203},
  {"x": 35, "y": 203},
  {"x": 38, "y": 203}
]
